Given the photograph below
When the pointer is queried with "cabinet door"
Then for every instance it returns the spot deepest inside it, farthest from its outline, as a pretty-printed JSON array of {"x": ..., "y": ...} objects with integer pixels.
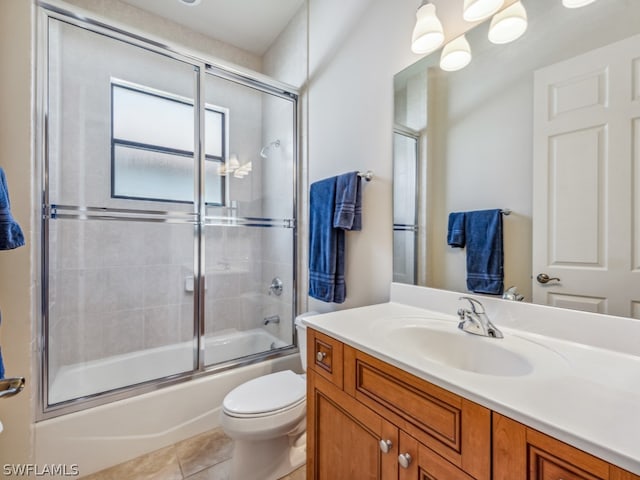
[
  {"x": 521, "y": 452},
  {"x": 455, "y": 428},
  {"x": 419, "y": 462},
  {"x": 344, "y": 437}
]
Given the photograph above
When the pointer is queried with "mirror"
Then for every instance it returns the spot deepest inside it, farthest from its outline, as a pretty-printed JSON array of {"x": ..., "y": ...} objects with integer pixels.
[{"x": 464, "y": 141}]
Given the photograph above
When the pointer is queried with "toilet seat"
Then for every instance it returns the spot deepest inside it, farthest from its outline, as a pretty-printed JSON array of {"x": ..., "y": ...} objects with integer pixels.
[{"x": 266, "y": 395}]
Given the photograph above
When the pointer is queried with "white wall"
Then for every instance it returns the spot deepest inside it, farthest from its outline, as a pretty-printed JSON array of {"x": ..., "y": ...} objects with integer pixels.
[
  {"x": 354, "y": 51},
  {"x": 17, "y": 294},
  {"x": 355, "y": 48}
]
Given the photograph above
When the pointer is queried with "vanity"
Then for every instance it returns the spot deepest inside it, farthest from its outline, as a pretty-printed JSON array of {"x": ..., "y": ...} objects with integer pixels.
[{"x": 397, "y": 391}]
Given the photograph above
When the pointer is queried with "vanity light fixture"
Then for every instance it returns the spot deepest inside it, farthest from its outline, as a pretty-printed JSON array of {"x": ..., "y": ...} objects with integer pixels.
[
  {"x": 475, "y": 10},
  {"x": 576, "y": 3},
  {"x": 428, "y": 33},
  {"x": 456, "y": 54},
  {"x": 509, "y": 24}
]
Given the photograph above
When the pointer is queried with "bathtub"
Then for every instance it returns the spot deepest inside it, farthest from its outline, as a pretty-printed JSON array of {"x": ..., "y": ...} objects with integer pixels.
[
  {"x": 99, "y": 437},
  {"x": 80, "y": 380}
]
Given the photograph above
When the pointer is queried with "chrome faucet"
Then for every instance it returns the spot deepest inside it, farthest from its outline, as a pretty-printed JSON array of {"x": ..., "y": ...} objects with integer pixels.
[
  {"x": 476, "y": 321},
  {"x": 272, "y": 319}
]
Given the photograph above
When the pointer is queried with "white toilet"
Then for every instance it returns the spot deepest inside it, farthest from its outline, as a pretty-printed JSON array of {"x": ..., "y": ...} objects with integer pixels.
[{"x": 266, "y": 418}]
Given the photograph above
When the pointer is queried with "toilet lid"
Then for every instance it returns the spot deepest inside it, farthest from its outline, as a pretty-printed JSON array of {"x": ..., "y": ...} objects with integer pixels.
[{"x": 266, "y": 394}]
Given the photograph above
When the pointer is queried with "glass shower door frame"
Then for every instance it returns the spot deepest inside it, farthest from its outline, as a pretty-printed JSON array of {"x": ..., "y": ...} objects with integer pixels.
[
  {"x": 197, "y": 217},
  {"x": 411, "y": 228}
]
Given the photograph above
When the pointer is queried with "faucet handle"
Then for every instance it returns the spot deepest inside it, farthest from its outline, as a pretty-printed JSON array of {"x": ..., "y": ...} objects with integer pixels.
[{"x": 473, "y": 303}]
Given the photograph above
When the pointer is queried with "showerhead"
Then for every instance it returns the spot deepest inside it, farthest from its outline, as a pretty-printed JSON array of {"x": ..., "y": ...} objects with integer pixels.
[{"x": 263, "y": 152}]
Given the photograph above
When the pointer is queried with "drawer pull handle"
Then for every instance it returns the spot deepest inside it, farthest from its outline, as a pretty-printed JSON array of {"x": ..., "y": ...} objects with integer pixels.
[
  {"x": 386, "y": 445},
  {"x": 404, "y": 459},
  {"x": 320, "y": 356}
]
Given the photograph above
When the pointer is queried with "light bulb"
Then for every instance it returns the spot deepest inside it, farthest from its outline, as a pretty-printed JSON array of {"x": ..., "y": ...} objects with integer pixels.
[
  {"x": 509, "y": 24},
  {"x": 475, "y": 10},
  {"x": 428, "y": 34},
  {"x": 455, "y": 55}
]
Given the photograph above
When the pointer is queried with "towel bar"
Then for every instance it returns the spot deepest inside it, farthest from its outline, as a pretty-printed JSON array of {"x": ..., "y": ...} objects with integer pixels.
[
  {"x": 368, "y": 175},
  {"x": 11, "y": 386}
]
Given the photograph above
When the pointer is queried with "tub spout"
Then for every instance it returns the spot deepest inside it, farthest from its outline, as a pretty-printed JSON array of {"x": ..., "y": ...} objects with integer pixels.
[{"x": 272, "y": 319}]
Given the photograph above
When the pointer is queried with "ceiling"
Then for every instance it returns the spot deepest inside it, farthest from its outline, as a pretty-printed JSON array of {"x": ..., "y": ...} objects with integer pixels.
[{"x": 251, "y": 25}]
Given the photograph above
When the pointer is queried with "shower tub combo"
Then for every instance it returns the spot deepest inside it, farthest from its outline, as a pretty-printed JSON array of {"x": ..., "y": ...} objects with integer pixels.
[{"x": 168, "y": 234}]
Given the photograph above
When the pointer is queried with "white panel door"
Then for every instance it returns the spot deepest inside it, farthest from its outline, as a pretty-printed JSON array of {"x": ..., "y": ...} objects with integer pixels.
[{"x": 586, "y": 172}]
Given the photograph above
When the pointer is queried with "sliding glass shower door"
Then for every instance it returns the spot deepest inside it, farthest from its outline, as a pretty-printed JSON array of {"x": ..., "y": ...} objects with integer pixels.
[
  {"x": 250, "y": 235},
  {"x": 168, "y": 216}
]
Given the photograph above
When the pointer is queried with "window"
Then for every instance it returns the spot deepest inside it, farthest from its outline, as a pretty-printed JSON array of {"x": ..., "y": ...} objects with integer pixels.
[{"x": 152, "y": 137}]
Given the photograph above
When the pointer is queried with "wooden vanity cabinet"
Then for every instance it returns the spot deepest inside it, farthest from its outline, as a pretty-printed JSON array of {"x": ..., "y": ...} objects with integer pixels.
[
  {"x": 370, "y": 420},
  {"x": 524, "y": 453},
  {"x": 367, "y": 418}
]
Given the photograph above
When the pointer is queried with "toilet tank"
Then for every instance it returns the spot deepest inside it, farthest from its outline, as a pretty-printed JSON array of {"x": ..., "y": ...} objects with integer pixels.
[{"x": 302, "y": 337}]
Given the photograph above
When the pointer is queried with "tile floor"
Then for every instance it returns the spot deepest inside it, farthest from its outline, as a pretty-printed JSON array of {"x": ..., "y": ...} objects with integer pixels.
[{"x": 203, "y": 457}]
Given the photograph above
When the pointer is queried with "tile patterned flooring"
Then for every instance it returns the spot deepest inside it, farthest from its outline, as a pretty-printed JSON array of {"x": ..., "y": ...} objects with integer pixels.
[{"x": 203, "y": 457}]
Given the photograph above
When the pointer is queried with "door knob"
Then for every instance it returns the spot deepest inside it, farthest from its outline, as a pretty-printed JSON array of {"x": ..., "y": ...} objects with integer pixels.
[
  {"x": 544, "y": 278},
  {"x": 404, "y": 459},
  {"x": 320, "y": 356},
  {"x": 385, "y": 446}
]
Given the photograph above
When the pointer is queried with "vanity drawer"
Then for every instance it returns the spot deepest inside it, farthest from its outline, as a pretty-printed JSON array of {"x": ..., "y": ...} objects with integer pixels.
[
  {"x": 455, "y": 428},
  {"x": 324, "y": 355}
]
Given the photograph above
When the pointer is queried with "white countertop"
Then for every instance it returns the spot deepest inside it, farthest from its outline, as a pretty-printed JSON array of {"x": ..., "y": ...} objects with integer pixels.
[{"x": 582, "y": 394}]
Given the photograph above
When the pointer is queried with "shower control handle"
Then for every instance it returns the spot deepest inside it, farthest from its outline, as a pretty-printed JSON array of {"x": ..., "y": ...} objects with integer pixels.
[
  {"x": 276, "y": 287},
  {"x": 386, "y": 446}
]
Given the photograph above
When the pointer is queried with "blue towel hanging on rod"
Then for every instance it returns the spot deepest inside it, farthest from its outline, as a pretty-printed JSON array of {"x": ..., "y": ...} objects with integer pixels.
[
  {"x": 335, "y": 206},
  {"x": 480, "y": 231}
]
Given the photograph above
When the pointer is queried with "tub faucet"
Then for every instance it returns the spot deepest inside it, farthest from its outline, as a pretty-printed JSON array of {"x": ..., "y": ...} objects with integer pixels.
[
  {"x": 476, "y": 320},
  {"x": 272, "y": 319}
]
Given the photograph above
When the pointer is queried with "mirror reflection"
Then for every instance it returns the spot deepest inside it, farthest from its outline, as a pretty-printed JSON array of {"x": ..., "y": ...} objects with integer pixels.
[{"x": 546, "y": 127}]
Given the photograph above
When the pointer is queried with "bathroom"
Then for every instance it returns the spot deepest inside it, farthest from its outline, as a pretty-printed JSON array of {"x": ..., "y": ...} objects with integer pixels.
[{"x": 354, "y": 50}]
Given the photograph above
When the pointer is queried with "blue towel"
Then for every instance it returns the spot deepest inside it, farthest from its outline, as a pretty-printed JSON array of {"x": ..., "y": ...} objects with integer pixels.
[
  {"x": 485, "y": 259},
  {"x": 323, "y": 241},
  {"x": 10, "y": 232},
  {"x": 348, "y": 209},
  {"x": 335, "y": 206},
  {"x": 455, "y": 234}
]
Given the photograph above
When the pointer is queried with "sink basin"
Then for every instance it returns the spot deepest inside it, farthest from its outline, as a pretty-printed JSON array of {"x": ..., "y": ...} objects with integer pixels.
[
  {"x": 463, "y": 351},
  {"x": 441, "y": 342}
]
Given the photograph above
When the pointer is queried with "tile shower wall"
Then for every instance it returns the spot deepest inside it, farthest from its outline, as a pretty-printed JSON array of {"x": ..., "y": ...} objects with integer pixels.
[
  {"x": 117, "y": 287},
  {"x": 233, "y": 271}
]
